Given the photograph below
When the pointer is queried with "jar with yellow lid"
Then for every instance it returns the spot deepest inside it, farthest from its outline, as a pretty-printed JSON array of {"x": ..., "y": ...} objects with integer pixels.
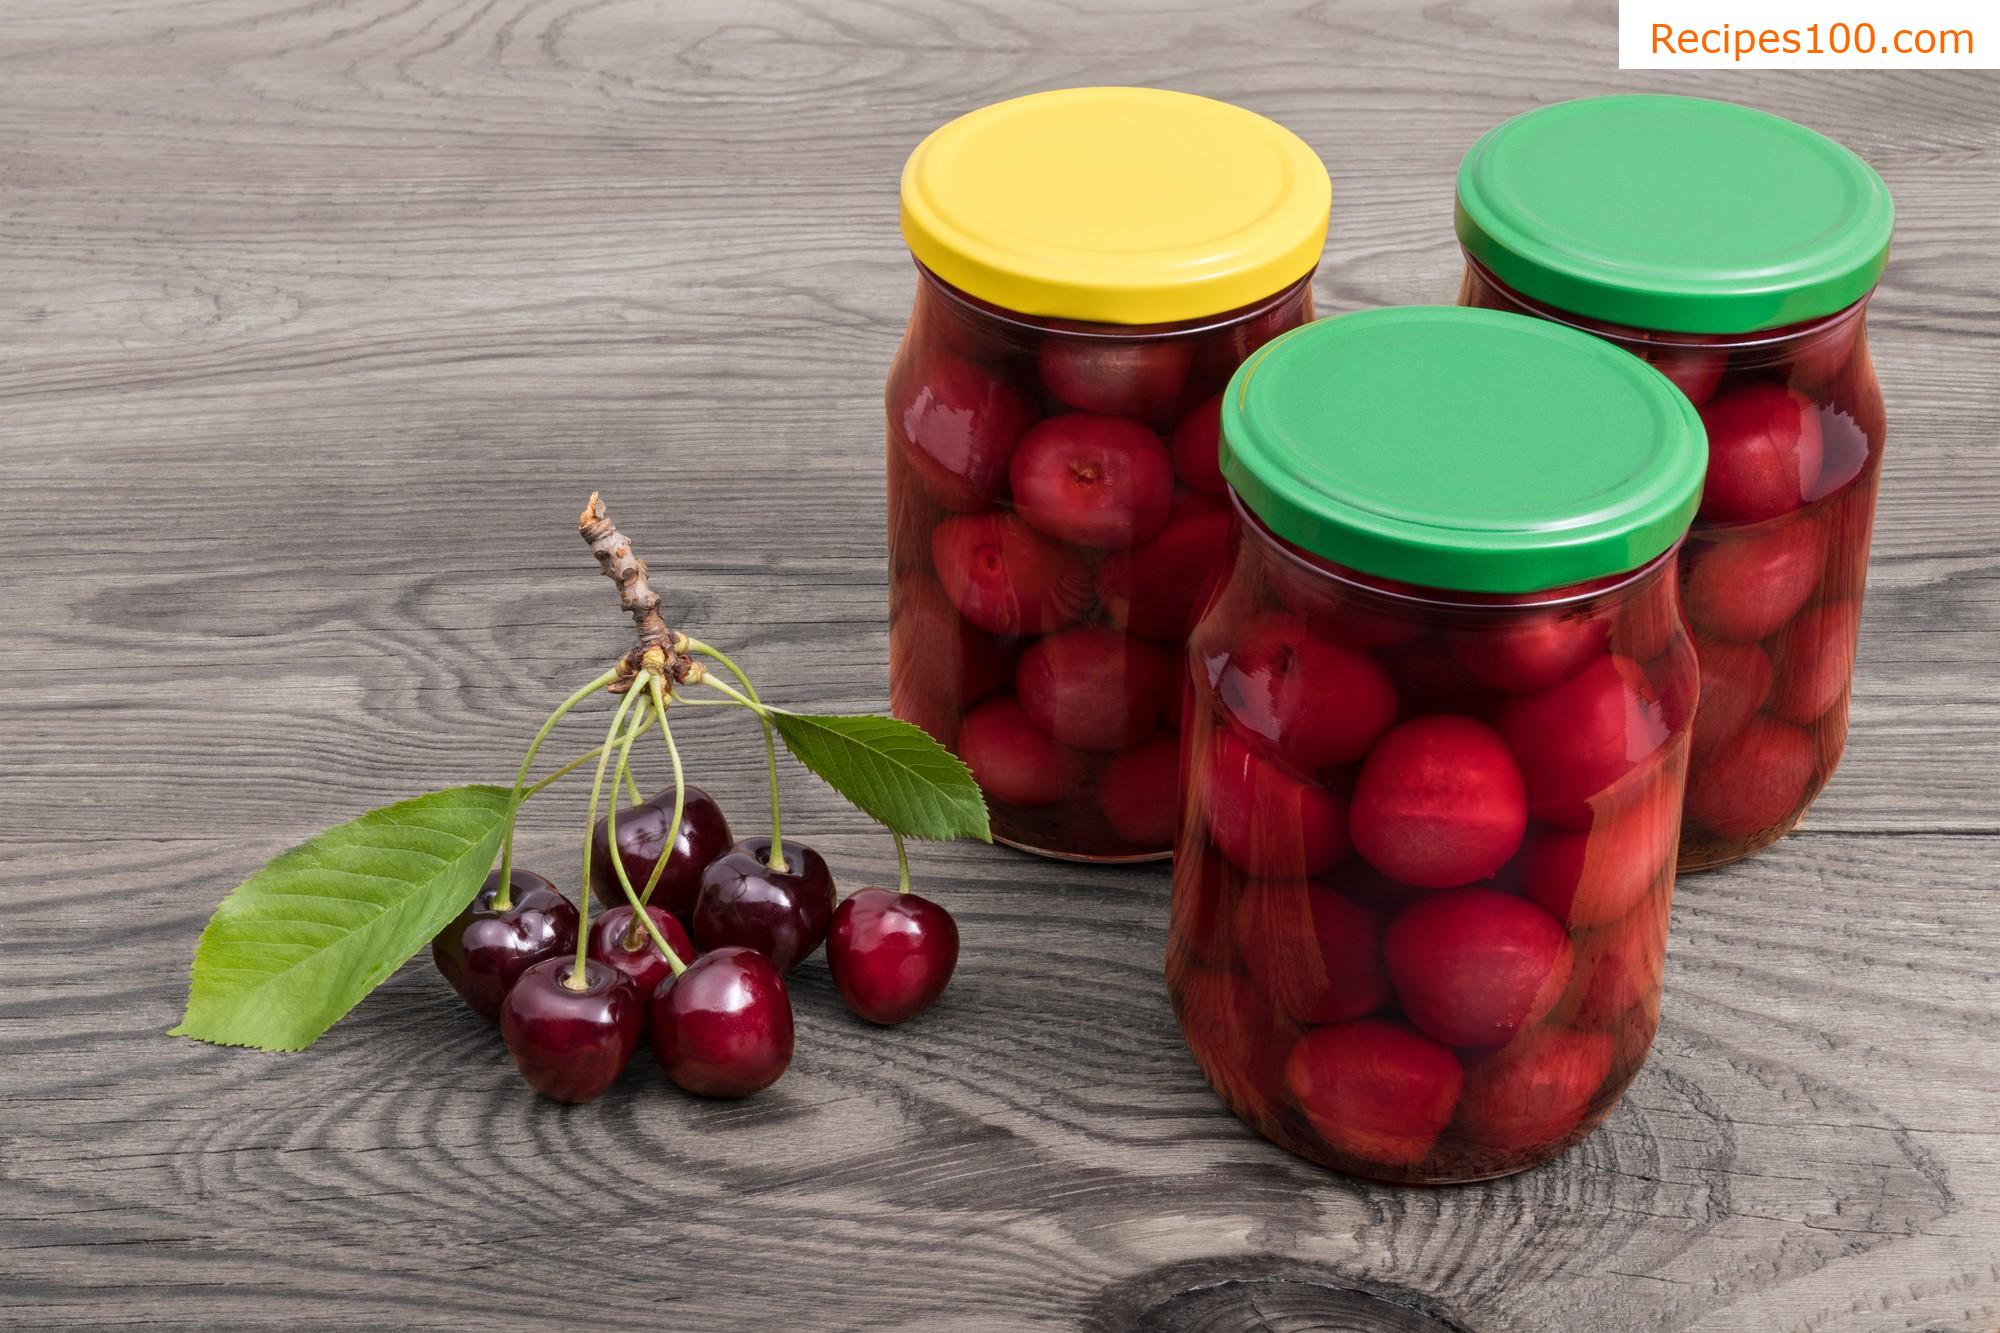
[{"x": 1092, "y": 265}]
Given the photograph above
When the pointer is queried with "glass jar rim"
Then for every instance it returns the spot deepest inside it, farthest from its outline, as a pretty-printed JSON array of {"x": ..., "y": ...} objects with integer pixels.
[{"x": 1041, "y": 326}]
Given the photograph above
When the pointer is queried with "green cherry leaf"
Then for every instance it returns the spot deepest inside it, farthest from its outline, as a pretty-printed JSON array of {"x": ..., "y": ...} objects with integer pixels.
[
  {"x": 894, "y": 772},
  {"x": 303, "y": 940}
]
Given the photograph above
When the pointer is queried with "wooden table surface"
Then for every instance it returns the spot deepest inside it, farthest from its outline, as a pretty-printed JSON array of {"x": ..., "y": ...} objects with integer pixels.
[{"x": 320, "y": 321}]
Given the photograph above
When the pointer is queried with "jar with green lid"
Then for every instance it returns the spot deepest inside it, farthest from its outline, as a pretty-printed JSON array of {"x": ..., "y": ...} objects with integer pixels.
[
  {"x": 1091, "y": 264},
  {"x": 1736, "y": 251},
  {"x": 1434, "y": 748}
]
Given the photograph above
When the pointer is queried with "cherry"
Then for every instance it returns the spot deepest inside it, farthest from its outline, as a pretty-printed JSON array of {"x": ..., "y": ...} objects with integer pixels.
[
  {"x": 1742, "y": 587},
  {"x": 782, "y": 914},
  {"x": 642, "y": 836},
  {"x": 1374, "y": 1090},
  {"x": 1013, "y": 760},
  {"x": 1474, "y": 966},
  {"x": 1752, "y": 782},
  {"x": 1095, "y": 688},
  {"x": 1093, "y": 480},
  {"x": 1138, "y": 792},
  {"x": 484, "y": 949},
  {"x": 723, "y": 1028},
  {"x": 1431, "y": 679},
  {"x": 959, "y": 422},
  {"x": 1122, "y": 377},
  {"x": 1735, "y": 681},
  {"x": 1814, "y": 661},
  {"x": 1695, "y": 371},
  {"x": 1160, "y": 586},
  {"x": 1197, "y": 446},
  {"x": 1588, "y": 878},
  {"x": 1618, "y": 968},
  {"x": 1575, "y": 741},
  {"x": 940, "y": 664},
  {"x": 1439, "y": 803},
  {"x": 1265, "y": 820},
  {"x": 1526, "y": 652},
  {"x": 571, "y": 1044},
  {"x": 891, "y": 954},
  {"x": 1005, "y": 577},
  {"x": 1314, "y": 951},
  {"x": 1314, "y": 702},
  {"x": 1531, "y": 1093},
  {"x": 615, "y": 943},
  {"x": 1764, "y": 453},
  {"x": 1237, "y": 1038}
]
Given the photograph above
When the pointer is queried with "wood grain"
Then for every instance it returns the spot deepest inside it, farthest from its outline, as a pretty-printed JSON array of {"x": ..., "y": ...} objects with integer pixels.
[{"x": 320, "y": 322}]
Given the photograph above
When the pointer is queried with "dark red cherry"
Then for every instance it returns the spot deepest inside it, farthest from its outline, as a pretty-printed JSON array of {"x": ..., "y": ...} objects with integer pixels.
[
  {"x": 1095, "y": 689},
  {"x": 1374, "y": 1090},
  {"x": 1754, "y": 781},
  {"x": 1576, "y": 742},
  {"x": 1159, "y": 586},
  {"x": 642, "y": 837},
  {"x": 1440, "y": 802},
  {"x": 891, "y": 954},
  {"x": 483, "y": 950},
  {"x": 571, "y": 1044},
  {"x": 1474, "y": 966},
  {"x": 1138, "y": 792},
  {"x": 1314, "y": 951},
  {"x": 1313, "y": 701},
  {"x": 1764, "y": 453},
  {"x": 723, "y": 1028},
  {"x": 1532, "y": 1092},
  {"x": 1196, "y": 446},
  {"x": 1015, "y": 761},
  {"x": 1127, "y": 377},
  {"x": 1006, "y": 577},
  {"x": 782, "y": 914},
  {"x": 958, "y": 422},
  {"x": 1268, "y": 821},
  {"x": 1743, "y": 586},
  {"x": 615, "y": 943},
  {"x": 1093, "y": 480}
]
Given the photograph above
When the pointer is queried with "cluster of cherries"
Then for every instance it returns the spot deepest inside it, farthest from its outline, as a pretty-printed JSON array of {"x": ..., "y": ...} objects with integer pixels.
[
  {"x": 702, "y": 975},
  {"x": 1772, "y": 572},
  {"x": 1057, "y": 520},
  {"x": 1421, "y": 894}
]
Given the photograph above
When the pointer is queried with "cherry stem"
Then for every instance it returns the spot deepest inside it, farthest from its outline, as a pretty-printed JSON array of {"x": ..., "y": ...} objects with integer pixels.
[
  {"x": 777, "y": 861},
  {"x": 680, "y": 797},
  {"x": 578, "y": 978},
  {"x": 632, "y": 788},
  {"x": 503, "y": 897},
  {"x": 641, "y": 918},
  {"x": 902, "y": 864},
  {"x": 643, "y": 726}
]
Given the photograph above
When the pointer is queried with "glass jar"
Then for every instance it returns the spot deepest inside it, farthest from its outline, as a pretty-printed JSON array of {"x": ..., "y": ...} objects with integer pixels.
[
  {"x": 1092, "y": 265},
  {"x": 1736, "y": 252},
  {"x": 1434, "y": 750}
]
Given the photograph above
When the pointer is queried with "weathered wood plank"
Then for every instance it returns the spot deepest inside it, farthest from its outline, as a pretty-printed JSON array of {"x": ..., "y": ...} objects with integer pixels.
[{"x": 321, "y": 322}]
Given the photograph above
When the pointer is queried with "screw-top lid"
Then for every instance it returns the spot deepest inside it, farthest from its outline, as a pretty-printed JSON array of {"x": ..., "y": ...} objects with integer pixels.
[
  {"x": 1118, "y": 205},
  {"x": 1463, "y": 449},
  {"x": 1677, "y": 214}
]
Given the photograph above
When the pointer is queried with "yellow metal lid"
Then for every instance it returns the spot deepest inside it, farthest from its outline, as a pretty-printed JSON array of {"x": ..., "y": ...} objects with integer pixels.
[{"x": 1117, "y": 205}]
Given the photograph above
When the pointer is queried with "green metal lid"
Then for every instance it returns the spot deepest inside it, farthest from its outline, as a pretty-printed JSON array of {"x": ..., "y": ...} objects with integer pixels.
[
  {"x": 1464, "y": 449},
  {"x": 1674, "y": 213}
]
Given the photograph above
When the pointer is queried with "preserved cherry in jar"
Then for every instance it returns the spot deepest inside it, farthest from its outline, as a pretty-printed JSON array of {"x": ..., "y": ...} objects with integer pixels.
[
  {"x": 1436, "y": 742},
  {"x": 1092, "y": 265},
  {"x": 1736, "y": 252}
]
